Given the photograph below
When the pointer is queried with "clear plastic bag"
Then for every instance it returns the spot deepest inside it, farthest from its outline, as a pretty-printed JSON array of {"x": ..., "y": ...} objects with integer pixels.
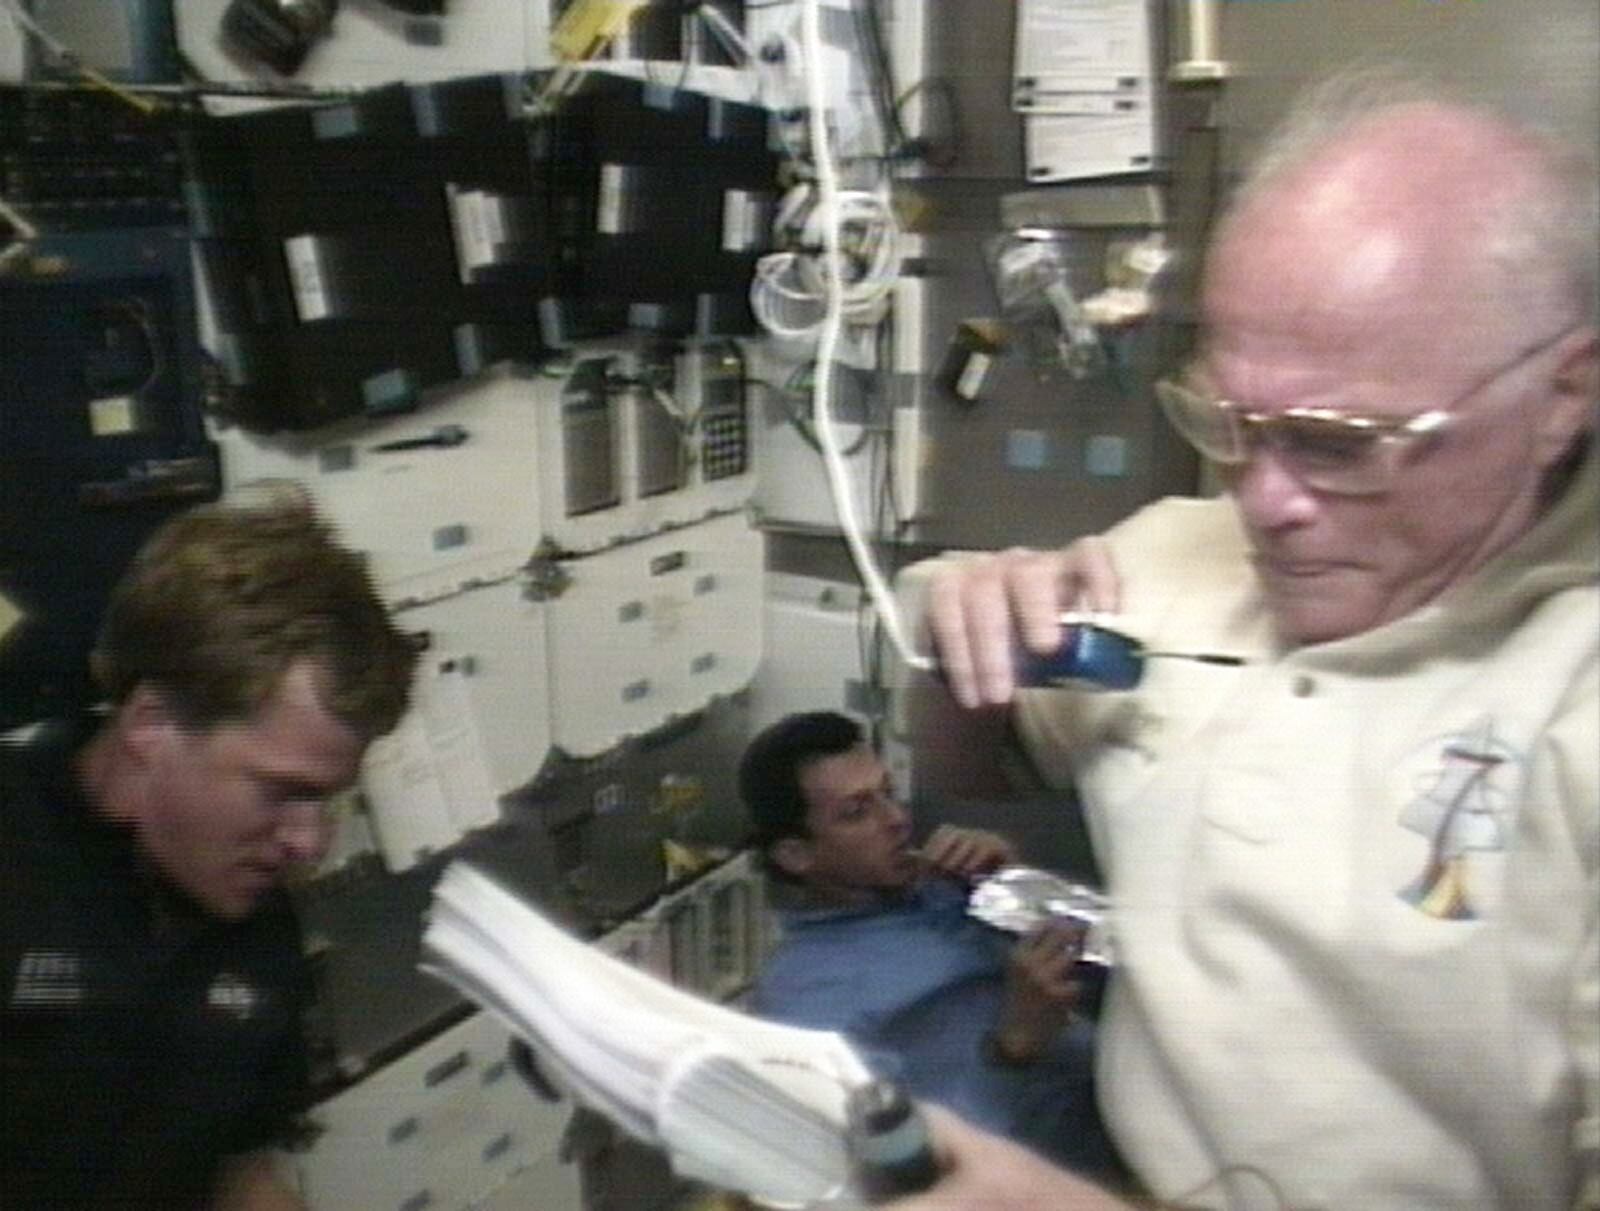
[
  {"x": 1033, "y": 285},
  {"x": 1019, "y": 899}
]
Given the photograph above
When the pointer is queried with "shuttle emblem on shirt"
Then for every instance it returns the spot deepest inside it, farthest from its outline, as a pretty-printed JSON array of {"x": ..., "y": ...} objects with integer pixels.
[
  {"x": 48, "y": 979},
  {"x": 233, "y": 995},
  {"x": 1460, "y": 808}
]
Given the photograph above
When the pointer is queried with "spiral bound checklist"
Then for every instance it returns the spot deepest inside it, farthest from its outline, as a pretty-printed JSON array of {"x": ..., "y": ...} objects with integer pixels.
[{"x": 736, "y": 1102}]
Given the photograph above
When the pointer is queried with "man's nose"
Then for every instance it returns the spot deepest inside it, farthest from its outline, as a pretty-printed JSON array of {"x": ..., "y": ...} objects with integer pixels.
[
  {"x": 896, "y": 813},
  {"x": 305, "y": 832},
  {"x": 1270, "y": 494}
]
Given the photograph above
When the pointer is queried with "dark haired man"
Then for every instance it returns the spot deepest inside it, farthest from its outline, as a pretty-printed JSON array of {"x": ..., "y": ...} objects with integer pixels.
[{"x": 877, "y": 945}]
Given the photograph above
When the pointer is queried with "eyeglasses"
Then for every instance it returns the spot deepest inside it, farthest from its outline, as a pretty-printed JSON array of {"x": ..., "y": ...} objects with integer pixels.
[{"x": 1341, "y": 453}]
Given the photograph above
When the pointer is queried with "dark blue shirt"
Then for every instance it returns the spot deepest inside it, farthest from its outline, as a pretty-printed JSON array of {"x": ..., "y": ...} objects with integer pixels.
[
  {"x": 916, "y": 985},
  {"x": 141, "y": 1041}
]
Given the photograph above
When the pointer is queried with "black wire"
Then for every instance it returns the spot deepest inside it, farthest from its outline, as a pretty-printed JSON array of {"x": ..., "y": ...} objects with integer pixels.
[
  {"x": 883, "y": 511},
  {"x": 800, "y": 419},
  {"x": 952, "y": 142},
  {"x": 888, "y": 529},
  {"x": 880, "y": 72},
  {"x": 761, "y": 382},
  {"x": 139, "y": 311},
  {"x": 683, "y": 51},
  {"x": 800, "y": 422}
]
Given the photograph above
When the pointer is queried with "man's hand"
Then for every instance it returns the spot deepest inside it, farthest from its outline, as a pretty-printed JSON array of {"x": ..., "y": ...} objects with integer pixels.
[
  {"x": 977, "y": 610},
  {"x": 965, "y": 853},
  {"x": 1041, "y": 990},
  {"x": 251, "y": 1182},
  {"x": 982, "y": 1171}
]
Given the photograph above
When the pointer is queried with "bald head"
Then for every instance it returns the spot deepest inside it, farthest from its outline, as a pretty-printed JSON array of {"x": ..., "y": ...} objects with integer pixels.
[
  {"x": 1450, "y": 214},
  {"x": 1414, "y": 259}
]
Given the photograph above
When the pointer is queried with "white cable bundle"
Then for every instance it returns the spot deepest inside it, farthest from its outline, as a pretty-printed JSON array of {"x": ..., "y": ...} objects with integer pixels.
[
  {"x": 838, "y": 268},
  {"x": 829, "y": 209},
  {"x": 790, "y": 290},
  {"x": 784, "y": 304}
]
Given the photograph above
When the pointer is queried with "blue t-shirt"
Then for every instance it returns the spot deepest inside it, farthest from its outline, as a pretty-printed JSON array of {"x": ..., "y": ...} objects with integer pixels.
[{"x": 916, "y": 985}]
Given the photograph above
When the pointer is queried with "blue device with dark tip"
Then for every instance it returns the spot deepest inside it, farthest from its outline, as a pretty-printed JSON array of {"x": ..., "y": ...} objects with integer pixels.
[
  {"x": 1098, "y": 658},
  {"x": 1095, "y": 657},
  {"x": 1092, "y": 656}
]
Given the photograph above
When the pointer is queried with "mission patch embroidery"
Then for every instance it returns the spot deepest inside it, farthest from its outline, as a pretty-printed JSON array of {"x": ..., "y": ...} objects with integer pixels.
[
  {"x": 48, "y": 979},
  {"x": 234, "y": 995},
  {"x": 1460, "y": 808}
]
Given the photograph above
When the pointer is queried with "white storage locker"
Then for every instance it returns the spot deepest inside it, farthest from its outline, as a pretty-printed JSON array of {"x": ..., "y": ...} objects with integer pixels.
[
  {"x": 443, "y": 1127},
  {"x": 479, "y": 726},
  {"x": 652, "y": 630},
  {"x": 441, "y": 498}
]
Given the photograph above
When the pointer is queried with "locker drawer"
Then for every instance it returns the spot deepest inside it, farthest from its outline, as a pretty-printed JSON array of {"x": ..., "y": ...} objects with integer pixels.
[{"x": 440, "y": 1127}]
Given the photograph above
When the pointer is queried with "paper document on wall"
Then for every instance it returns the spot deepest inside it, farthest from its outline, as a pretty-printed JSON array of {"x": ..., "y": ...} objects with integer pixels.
[
  {"x": 1067, "y": 47},
  {"x": 745, "y": 1105},
  {"x": 1067, "y": 148},
  {"x": 410, "y": 815},
  {"x": 1082, "y": 78},
  {"x": 459, "y": 754},
  {"x": 428, "y": 782}
]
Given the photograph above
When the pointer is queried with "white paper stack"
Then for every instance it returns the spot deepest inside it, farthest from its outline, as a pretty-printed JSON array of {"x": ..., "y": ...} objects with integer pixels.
[
  {"x": 742, "y": 1104},
  {"x": 1083, "y": 79}
]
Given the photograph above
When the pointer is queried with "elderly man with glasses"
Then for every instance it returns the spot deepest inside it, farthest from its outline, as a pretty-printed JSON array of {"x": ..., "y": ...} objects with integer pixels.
[{"x": 1356, "y": 876}]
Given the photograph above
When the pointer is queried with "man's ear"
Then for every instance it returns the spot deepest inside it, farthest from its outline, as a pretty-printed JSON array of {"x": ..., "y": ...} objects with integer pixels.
[
  {"x": 793, "y": 856},
  {"x": 1575, "y": 394},
  {"x": 146, "y": 722}
]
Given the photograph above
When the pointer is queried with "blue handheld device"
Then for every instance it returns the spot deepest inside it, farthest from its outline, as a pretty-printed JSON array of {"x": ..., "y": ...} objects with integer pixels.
[
  {"x": 1092, "y": 656},
  {"x": 1096, "y": 657}
]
